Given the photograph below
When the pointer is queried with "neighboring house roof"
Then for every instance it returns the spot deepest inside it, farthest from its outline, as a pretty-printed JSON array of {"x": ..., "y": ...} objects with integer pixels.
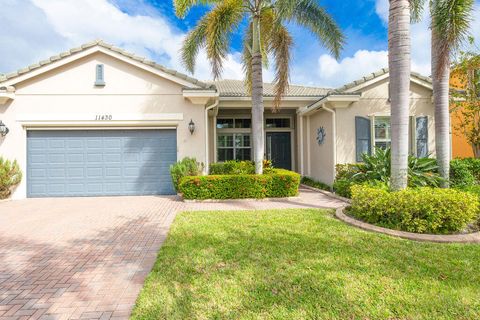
[
  {"x": 376, "y": 75},
  {"x": 236, "y": 88},
  {"x": 110, "y": 47}
]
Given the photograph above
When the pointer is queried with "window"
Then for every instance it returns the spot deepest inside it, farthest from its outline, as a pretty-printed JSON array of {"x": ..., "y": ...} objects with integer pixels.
[
  {"x": 382, "y": 138},
  {"x": 229, "y": 123},
  {"x": 99, "y": 76},
  {"x": 421, "y": 134},
  {"x": 233, "y": 146},
  {"x": 224, "y": 123},
  {"x": 277, "y": 123}
]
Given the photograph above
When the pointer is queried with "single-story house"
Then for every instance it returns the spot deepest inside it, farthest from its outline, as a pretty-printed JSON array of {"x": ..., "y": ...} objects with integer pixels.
[{"x": 99, "y": 121}]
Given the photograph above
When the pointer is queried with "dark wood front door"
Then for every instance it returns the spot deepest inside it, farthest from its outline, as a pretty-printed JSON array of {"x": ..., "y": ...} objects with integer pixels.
[{"x": 279, "y": 149}]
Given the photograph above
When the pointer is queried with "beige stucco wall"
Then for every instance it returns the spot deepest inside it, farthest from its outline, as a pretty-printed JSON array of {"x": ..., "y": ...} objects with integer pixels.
[
  {"x": 321, "y": 156},
  {"x": 318, "y": 160},
  {"x": 374, "y": 101},
  {"x": 67, "y": 94}
]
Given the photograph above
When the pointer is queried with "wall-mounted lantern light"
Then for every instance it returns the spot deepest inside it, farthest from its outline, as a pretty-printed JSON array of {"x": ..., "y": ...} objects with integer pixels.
[
  {"x": 3, "y": 129},
  {"x": 191, "y": 126}
]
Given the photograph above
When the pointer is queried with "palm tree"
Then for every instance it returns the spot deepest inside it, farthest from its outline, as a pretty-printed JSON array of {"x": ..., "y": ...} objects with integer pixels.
[
  {"x": 266, "y": 35},
  {"x": 450, "y": 26},
  {"x": 399, "y": 68}
]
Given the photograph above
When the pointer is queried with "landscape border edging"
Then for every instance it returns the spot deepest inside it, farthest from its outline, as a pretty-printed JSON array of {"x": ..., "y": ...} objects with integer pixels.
[
  {"x": 453, "y": 238},
  {"x": 328, "y": 193}
]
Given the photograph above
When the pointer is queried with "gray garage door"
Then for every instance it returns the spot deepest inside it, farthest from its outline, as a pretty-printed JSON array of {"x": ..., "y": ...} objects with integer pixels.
[{"x": 100, "y": 162}]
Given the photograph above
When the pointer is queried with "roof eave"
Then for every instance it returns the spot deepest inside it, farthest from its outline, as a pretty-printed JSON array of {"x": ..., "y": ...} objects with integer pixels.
[{"x": 337, "y": 100}]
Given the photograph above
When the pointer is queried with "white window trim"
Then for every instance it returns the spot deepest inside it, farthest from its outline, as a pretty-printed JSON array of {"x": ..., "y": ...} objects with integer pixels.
[
  {"x": 234, "y": 147},
  {"x": 413, "y": 131}
]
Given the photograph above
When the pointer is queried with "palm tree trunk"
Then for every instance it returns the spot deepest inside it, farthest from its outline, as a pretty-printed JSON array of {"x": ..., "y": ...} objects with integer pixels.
[
  {"x": 441, "y": 87},
  {"x": 399, "y": 64},
  {"x": 257, "y": 99}
]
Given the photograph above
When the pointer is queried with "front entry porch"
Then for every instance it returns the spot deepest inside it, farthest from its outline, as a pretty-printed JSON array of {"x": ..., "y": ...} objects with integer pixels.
[{"x": 230, "y": 136}]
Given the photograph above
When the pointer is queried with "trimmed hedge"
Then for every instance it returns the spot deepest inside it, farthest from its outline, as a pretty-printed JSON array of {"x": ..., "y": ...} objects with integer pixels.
[
  {"x": 420, "y": 210},
  {"x": 277, "y": 184},
  {"x": 237, "y": 167},
  {"x": 232, "y": 167}
]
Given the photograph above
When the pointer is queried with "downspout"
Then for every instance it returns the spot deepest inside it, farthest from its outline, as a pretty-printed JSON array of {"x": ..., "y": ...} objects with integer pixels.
[
  {"x": 207, "y": 151},
  {"x": 334, "y": 137},
  {"x": 301, "y": 147}
]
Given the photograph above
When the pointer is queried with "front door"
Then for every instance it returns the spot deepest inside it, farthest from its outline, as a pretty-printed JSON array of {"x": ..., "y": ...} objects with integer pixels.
[{"x": 279, "y": 149}]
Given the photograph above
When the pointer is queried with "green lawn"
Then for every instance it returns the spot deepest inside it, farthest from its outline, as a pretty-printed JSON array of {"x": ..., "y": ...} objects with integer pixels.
[{"x": 304, "y": 264}]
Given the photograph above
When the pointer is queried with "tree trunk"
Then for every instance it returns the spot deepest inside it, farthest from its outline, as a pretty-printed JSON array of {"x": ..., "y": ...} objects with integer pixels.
[
  {"x": 476, "y": 150},
  {"x": 399, "y": 65},
  {"x": 257, "y": 99},
  {"x": 441, "y": 87}
]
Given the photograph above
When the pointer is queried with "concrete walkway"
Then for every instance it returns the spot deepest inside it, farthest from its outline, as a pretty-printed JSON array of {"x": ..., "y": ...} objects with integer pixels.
[{"x": 87, "y": 258}]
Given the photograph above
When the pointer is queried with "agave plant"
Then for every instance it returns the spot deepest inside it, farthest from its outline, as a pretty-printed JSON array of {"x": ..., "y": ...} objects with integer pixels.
[{"x": 422, "y": 172}]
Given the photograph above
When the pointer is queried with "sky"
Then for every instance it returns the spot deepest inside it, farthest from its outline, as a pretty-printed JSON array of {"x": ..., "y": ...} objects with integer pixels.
[{"x": 33, "y": 30}]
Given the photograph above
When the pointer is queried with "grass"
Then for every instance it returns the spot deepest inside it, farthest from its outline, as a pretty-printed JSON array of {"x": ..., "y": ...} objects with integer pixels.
[{"x": 304, "y": 264}]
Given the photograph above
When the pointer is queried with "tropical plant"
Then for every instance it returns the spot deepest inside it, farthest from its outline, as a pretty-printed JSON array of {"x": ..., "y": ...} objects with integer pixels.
[
  {"x": 10, "y": 176},
  {"x": 399, "y": 69},
  {"x": 185, "y": 167},
  {"x": 450, "y": 28},
  {"x": 266, "y": 35},
  {"x": 422, "y": 172}
]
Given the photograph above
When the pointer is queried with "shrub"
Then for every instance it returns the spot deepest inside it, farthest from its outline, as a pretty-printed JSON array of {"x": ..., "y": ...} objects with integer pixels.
[
  {"x": 422, "y": 172},
  {"x": 278, "y": 183},
  {"x": 464, "y": 172},
  {"x": 315, "y": 184},
  {"x": 345, "y": 171},
  {"x": 342, "y": 187},
  {"x": 420, "y": 210},
  {"x": 232, "y": 167},
  {"x": 237, "y": 167},
  {"x": 10, "y": 176},
  {"x": 186, "y": 167}
]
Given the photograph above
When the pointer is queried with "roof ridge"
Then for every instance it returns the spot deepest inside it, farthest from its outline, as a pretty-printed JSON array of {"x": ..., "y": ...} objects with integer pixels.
[
  {"x": 106, "y": 45},
  {"x": 271, "y": 83},
  {"x": 377, "y": 74}
]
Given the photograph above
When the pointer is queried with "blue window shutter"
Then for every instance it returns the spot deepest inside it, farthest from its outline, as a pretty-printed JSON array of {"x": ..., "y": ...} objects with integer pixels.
[
  {"x": 99, "y": 75},
  {"x": 363, "y": 137},
  {"x": 421, "y": 134}
]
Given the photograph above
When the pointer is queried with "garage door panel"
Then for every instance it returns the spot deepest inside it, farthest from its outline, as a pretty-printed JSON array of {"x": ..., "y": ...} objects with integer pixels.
[{"x": 100, "y": 162}]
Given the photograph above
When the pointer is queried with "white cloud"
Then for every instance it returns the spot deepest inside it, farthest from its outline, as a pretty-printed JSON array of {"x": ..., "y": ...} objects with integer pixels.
[
  {"x": 421, "y": 35},
  {"x": 48, "y": 26},
  {"x": 381, "y": 8},
  {"x": 363, "y": 62}
]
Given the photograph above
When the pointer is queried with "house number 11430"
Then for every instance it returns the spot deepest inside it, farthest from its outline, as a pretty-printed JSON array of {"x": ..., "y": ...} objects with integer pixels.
[{"x": 103, "y": 117}]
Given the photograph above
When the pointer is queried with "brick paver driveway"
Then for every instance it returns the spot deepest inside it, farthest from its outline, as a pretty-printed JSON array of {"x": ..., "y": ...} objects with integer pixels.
[{"x": 72, "y": 258}]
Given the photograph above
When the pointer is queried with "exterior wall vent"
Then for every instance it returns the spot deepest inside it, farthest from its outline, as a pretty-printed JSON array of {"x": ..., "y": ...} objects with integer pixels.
[{"x": 99, "y": 76}]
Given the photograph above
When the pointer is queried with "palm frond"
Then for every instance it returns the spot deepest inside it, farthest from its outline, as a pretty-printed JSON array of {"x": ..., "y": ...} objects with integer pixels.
[
  {"x": 267, "y": 21},
  {"x": 416, "y": 10},
  {"x": 220, "y": 22},
  {"x": 309, "y": 14},
  {"x": 247, "y": 58},
  {"x": 192, "y": 44},
  {"x": 281, "y": 44},
  {"x": 183, "y": 6},
  {"x": 451, "y": 20}
]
